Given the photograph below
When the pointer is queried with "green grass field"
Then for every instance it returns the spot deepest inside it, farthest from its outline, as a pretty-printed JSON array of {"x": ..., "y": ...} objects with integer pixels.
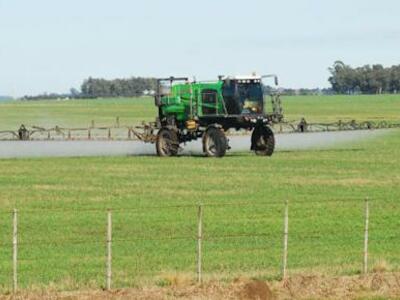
[
  {"x": 76, "y": 113},
  {"x": 63, "y": 202}
]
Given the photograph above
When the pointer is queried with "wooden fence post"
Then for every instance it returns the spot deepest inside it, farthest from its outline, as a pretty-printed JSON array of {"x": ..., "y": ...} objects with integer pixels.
[
  {"x": 109, "y": 254},
  {"x": 199, "y": 243},
  {"x": 285, "y": 240},
  {"x": 365, "y": 269},
  {"x": 15, "y": 251},
  {"x": 117, "y": 122}
]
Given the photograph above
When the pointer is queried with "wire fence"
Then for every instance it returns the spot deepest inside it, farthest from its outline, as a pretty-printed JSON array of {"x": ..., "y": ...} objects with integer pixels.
[{"x": 110, "y": 248}]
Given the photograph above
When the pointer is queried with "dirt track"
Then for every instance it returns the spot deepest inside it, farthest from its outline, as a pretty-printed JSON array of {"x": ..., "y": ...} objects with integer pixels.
[
  {"x": 284, "y": 142},
  {"x": 382, "y": 285}
]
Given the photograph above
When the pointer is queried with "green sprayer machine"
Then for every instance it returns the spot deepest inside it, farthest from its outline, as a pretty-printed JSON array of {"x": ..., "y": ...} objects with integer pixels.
[{"x": 190, "y": 110}]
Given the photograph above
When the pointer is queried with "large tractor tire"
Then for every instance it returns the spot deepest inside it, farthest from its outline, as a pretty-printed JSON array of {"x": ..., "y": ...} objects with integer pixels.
[
  {"x": 167, "y": 143},
  {"x": 263, "y": 141},
  {"x": 215, "y": 142}
]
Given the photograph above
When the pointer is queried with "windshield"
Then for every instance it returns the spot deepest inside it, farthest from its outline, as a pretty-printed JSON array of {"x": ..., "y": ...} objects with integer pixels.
[{"x": 243, "y": 98}]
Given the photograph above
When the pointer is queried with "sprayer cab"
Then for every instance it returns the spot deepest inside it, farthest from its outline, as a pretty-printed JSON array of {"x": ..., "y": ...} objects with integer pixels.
[
  {"x": 243, "y": 96},
  {"x": 191, "y": 108}
]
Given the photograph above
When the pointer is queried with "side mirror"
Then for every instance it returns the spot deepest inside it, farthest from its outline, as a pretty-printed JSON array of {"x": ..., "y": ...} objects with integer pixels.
[{"x": 272, "y": 75}]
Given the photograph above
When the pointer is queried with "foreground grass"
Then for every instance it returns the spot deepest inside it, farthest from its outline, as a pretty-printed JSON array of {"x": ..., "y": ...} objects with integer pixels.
[
  {"x": 78, "y": 113},
  {"x": 63, "y": 202}
]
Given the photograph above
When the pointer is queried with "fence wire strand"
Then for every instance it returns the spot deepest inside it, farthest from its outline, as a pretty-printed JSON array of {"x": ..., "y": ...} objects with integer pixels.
[{"x": 193, "y": 206}]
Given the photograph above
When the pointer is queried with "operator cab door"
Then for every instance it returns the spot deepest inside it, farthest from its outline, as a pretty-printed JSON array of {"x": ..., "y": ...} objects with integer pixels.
[{"x": 209, "y": 102}]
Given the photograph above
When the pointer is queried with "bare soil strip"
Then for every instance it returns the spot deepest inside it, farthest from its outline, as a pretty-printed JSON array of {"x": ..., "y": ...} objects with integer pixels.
[{"x": 375, "y": 285}]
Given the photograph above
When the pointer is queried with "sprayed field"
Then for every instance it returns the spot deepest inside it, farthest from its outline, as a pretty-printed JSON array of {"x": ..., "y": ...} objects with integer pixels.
[
  {"x": 240, "y": 143},
  {"x": 62, "y": 206}
]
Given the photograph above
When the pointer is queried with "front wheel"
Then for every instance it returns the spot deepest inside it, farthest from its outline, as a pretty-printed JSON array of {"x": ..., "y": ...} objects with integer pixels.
[
  {"x": 167, "y": 143},
  {"x": 263, "y": 141},
  {"x": 215, "y": 142}
]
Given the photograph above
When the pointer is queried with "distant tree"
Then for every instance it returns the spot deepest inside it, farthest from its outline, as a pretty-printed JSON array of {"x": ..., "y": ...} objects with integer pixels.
[
  {"x": 343, "y": 79},
  {"x": 394, "y": 79},
  {"x": 74, "y": 93}
]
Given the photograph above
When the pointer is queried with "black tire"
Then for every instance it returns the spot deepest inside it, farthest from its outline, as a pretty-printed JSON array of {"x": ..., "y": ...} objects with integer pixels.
[
  {"x": 167, "y": 143},
  {"x": 263, "y": 141},
  {"x": 215, "y": 143}
]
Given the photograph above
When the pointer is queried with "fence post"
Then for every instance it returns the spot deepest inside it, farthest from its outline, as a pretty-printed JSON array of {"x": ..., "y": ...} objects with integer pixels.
[
  {"x": 199, "y": 243},
  {"x": 109, "y": 254},
  {"x": 15, "y": 250},
  {"x": 117, "y": 122},
  {"x": 285, "y": 240},
  {"x": 366, "y": 236}
]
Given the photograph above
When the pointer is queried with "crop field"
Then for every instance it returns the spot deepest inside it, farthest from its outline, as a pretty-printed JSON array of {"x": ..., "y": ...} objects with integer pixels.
[
  {"x": 62, "y": 203},
  {"x": 75, "y": 113}
]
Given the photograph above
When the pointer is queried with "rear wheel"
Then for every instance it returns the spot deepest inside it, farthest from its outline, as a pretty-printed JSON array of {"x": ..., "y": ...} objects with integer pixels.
[
  {"x": 263, "y": 141},
  {"x": 214, "y": 142},
  {"x": 167, "y": 143}
]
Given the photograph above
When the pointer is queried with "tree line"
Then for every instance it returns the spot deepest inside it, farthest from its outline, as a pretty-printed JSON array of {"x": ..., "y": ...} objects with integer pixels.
[
  {"x": 131, "y": 87},
  {"x": 99, "y": 87},
  {"x": 367, "y": 79}
]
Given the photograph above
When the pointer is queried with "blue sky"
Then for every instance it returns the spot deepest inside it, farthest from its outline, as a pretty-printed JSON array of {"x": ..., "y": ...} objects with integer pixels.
[{"x": 52, "y": 45}]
